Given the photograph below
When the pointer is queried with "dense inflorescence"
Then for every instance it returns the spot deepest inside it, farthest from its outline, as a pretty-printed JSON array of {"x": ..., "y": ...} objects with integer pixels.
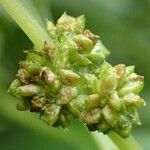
[{"x": 73, "y": 79}]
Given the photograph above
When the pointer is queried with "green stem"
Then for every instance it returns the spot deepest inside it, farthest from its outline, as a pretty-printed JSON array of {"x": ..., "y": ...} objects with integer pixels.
[
  {"x": 104, "y": 142},
  {"x": 27, "y": 22},
  {"x": 124, "y": 144}
]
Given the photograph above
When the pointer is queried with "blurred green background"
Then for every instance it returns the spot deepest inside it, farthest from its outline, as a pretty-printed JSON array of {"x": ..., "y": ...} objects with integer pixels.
[{"x": 124, "y": 27}]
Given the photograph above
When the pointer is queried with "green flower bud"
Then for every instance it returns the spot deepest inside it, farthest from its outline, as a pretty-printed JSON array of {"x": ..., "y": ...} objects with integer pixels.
[
  {"x": 50, "y": 114},
  {"x": 134, "y": 84},
  {"x": 77, "y": 104},
  {"x": 69, "y": 77},
  {"x": 64, "y": 119},
  {"x": 51, "y": 28},
  {"x": 55, "y": 86},
  {"x": 119, "y": 73},
  {"x": 124, "y": 126},
  {"x": 133, "y": 115},
  {"x": 67, "y": 23},
  {"x": 91, "y": 36},
  {"x": 108, "y": 82},
  {"x": 66, "y": 94},
  {"x": 85, "y": 44},
  {"x": 28, "y": 90},
  {"x": 72, "y": 49},
  {"x": 133, "y": 100},
  {"x": 38, "y": 104},
  {"x": 23, "y": 104},
  {"x": 87, "y": 83},
  {"x": 103, "y": 126},
  {"x": 49, "y": 52},
  {"x": 98, "y": 53},
  {"x": 108, "y": 86},
  {"x": 82, "y": 60},
  {"x": 92, "y": 101},
  {"x": 114, "y": 101},
  {"x": 47, "y": 75},
  {"x": 23, "y": 76},
  {"x": 13, "y": 88},
  {"x": 111, "y": 116},
  {"x": 80, "y": 24},
  {"x": 33, "y": 64},
  {"x": 91, "y": 116},
  {"x": 128, "y": 70}
]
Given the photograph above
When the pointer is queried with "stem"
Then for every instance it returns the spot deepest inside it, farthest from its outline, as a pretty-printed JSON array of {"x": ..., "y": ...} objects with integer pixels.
[
  {"x": 124, "y": 144},
  {"x": 27, "y": 22},
  {"x": 104, "y": 142}
]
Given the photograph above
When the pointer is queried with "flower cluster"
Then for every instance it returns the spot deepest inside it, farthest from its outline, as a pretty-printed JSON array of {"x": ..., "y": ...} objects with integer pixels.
[{"x": 73, "y": 79}]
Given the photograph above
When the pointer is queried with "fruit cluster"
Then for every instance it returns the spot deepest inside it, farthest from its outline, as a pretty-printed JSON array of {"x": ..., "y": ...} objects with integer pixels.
[{"x": 73, "y": 79}]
